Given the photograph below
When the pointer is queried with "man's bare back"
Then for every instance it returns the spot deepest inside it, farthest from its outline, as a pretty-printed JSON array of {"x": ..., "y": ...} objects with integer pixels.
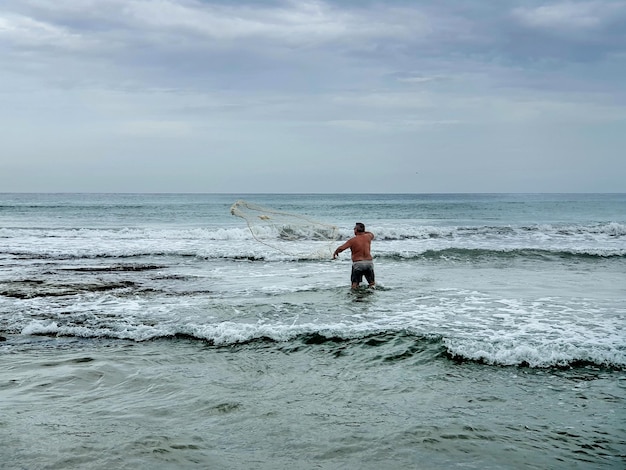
[
  {"x": 360, "y": 246},
  {"x": 362, "y": 264}
]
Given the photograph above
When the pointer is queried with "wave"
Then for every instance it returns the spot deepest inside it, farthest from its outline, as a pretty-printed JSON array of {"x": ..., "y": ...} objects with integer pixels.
[
  {"x": 128, "y": 233},
  {"x": 396, "y": 232},
  {"x": 609, "y": 229},
  {"x": 246, "y": 254},
  {"x": 401, "y": 243},
  {"x": 480, "y": 254},
  {"x": 364, "y": 343}
]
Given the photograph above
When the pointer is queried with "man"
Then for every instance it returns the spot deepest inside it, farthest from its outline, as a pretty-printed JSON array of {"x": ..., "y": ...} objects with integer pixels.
[{"x": 362, "y": 264}]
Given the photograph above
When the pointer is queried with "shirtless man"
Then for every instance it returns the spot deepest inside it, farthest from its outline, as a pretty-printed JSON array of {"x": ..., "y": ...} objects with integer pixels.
[{"x": 362, "y": 264}]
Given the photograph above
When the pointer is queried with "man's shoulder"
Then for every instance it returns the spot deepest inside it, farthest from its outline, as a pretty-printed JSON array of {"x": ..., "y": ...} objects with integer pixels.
[{"x": 362, "y": 237}]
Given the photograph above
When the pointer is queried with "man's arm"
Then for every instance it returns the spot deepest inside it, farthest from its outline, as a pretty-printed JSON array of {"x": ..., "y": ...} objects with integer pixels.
[{"x": 343, "y": 247}]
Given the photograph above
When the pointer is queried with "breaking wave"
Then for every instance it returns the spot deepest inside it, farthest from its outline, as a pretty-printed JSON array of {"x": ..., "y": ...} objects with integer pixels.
[{"x": 373, "y": 344}]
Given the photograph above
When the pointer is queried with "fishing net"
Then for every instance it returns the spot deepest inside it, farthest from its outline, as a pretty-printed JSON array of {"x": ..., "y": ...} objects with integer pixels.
[{"x": 278, "y": 230}]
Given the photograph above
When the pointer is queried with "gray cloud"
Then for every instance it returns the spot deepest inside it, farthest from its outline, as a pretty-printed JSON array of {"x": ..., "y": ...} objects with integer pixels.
[{"x": 221, "y": 86}]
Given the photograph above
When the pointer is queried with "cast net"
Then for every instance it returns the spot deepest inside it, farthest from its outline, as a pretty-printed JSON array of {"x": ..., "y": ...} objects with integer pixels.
[{"x": 289, "y": 233}]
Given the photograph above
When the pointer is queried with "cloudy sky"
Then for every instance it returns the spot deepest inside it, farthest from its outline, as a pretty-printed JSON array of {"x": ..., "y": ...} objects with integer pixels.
[{"x": 313, "y": 96}]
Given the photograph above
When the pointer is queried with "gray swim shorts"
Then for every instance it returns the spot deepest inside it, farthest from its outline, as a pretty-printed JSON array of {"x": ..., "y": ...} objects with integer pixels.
[{"x": 362, "y": 268}]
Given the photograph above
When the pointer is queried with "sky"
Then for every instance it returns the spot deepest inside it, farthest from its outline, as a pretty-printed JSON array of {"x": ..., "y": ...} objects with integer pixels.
[{"x": 283, "y": 96}]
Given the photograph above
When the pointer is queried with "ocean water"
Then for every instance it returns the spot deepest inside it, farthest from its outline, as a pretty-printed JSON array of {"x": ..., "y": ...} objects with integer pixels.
[{"x": 161, "y": 331}]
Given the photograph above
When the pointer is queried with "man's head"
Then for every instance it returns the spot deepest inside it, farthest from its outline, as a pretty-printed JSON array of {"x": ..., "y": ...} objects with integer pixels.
[{"x": 359, "y": 227}]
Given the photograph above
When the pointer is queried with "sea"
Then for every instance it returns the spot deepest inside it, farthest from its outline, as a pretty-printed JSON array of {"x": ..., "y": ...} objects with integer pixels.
[{"x": 161, "y": 331}]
